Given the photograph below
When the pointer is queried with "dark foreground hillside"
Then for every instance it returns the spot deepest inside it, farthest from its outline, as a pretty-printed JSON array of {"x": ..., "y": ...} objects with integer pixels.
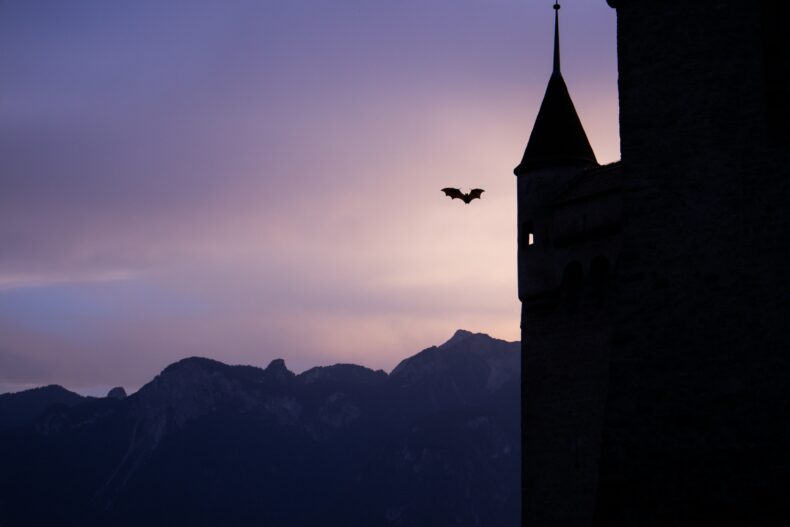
[{"x": 436, "y": 442}]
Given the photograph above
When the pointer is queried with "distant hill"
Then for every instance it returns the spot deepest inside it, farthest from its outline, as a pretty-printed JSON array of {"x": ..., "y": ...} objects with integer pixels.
[
  {"x": 21, "y": 408},
  {"x": 436, "y": 442}
]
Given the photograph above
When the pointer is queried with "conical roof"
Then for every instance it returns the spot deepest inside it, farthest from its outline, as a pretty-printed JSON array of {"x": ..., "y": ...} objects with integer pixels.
[{"x": 558, "y": 137}]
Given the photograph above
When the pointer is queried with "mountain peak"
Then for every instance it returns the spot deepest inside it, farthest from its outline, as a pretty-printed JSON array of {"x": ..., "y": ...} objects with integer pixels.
[
  {"x": 346, "y": 373},
  {"x": 276, "y": 365},
  {"x": 22, "y": 407},
  {"x": 193, "y": 363},
  {"x": 460, "y": 358},
  {"x": 278, "y": 372},
  {"x": 117, "y": 393},
  {"x": 459, "y": 336}
]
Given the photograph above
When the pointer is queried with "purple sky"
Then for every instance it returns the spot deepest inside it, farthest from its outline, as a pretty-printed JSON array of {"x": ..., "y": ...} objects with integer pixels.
[{"x": 254, "y": 179}]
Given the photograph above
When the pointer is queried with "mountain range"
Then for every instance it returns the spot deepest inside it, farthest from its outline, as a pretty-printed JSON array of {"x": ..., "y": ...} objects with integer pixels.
[{"x": 434, "y": 442}]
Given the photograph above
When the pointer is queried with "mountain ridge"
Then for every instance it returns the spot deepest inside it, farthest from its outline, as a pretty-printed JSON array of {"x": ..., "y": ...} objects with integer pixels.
[{"x": 342, "y": 442}]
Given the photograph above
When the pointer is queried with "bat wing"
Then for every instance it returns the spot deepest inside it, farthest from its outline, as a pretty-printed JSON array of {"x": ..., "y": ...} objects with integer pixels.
[
  {"x": 453, "y": 193},
  {"x": 475, "y": 193}
]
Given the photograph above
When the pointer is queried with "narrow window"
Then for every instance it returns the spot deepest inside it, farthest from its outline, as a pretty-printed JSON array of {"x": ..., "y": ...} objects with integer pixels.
[{"x": 527, "y": 234}]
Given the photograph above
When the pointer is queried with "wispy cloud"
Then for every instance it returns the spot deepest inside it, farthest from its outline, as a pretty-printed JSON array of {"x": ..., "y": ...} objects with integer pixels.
[{"x": 20, "y": 281}]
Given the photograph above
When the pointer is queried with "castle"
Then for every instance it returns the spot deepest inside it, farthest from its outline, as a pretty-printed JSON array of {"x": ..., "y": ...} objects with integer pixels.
[{"x": 656, "y": 290}]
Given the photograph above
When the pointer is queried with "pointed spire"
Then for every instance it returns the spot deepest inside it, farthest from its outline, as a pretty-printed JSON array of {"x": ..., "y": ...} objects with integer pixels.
[
  {"x": 558, "y": 137},
  {"x": 556, "y": 38}
]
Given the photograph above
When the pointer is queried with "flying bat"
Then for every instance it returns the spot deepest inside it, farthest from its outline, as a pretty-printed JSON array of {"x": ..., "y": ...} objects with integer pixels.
[{"x": 466, "y": 198}]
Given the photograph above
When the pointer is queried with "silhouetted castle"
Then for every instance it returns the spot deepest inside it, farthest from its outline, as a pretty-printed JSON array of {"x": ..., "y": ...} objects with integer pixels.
[{"x": 656, "y": 290}]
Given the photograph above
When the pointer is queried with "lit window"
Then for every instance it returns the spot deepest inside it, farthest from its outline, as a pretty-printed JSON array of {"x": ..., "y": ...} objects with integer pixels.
[{"x": 527, "y": 234}]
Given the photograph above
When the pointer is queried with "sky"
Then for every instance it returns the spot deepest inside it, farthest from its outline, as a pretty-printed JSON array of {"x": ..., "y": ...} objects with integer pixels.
[{"x": 256, "y": 179}]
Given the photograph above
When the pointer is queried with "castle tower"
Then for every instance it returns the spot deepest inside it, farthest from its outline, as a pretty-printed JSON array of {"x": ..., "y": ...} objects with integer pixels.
[
  {"x": 568, "y": 219},
  {"x": 655, "y": 348},
  {"x": 557, "y": 151}
]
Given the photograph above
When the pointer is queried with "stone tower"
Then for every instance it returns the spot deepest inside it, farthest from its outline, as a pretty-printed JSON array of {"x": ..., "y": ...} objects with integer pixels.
[
  {"x": 655, "y": 290},
  {"x": 564, "y": 255}
]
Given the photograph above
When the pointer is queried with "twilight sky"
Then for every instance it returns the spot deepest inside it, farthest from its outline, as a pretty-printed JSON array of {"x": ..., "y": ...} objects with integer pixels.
[{"x": 254, "y": 179}]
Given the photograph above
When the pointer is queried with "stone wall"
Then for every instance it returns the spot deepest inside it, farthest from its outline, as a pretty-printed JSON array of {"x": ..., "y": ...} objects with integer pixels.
[
  {"x": 662, "y": 398},
  {"x": 566, "y": 340},
  {"x": 696, "y": 431}
]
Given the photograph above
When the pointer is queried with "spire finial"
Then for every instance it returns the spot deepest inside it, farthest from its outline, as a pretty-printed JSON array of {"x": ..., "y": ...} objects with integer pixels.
[{"x": 556, "y": 38}]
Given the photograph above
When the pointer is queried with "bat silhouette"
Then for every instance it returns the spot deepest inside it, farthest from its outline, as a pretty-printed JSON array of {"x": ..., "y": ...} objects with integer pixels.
[{"x": 466, "y": 198}]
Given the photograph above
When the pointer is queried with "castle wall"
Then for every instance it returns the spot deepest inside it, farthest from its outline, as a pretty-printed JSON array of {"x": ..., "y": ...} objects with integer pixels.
[
  {"x": 566, "y": 337},
  {"x": 695, "y": 429},
  {"x": 661, "y": 397},
  {"x": 564, "y": 359}
]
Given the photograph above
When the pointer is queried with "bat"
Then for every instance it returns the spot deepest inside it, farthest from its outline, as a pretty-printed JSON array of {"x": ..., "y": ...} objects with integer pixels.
[{"x": 466, "y": 198}]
